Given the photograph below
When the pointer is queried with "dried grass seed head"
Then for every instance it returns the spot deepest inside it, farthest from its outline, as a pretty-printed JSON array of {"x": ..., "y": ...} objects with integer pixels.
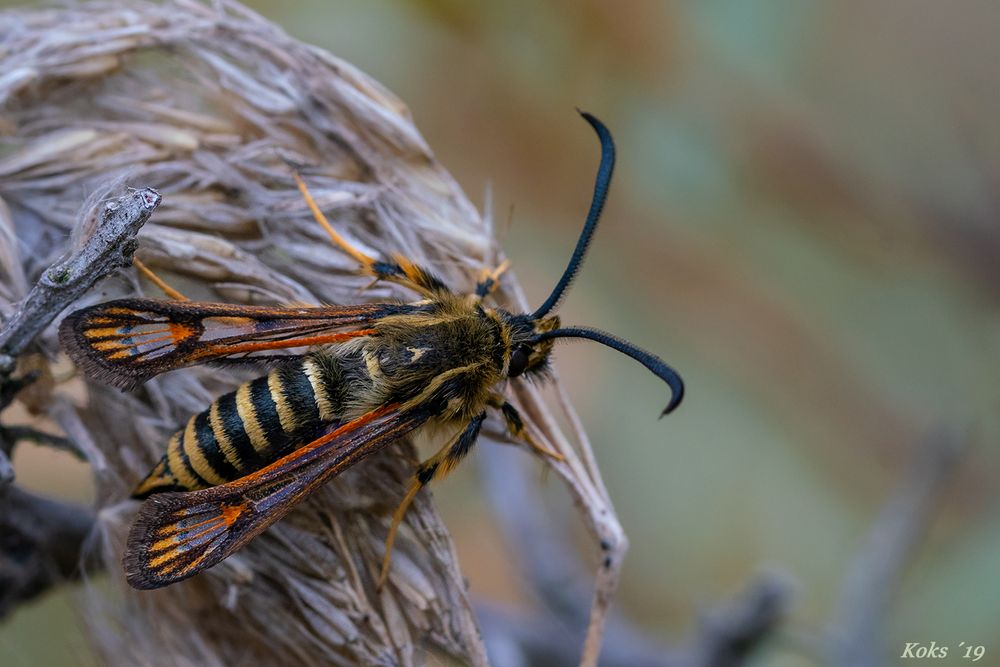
[{"x": 207, "y": 102}]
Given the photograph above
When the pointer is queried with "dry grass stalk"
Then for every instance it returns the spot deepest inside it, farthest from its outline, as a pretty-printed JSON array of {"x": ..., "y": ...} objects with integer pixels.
[{"x": 204, "y": 102}]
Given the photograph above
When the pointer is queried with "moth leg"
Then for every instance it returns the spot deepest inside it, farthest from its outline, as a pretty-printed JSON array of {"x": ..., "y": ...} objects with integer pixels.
[
  {"x": 490, "y": 280},
  {"x": 434, "y": 468},
  {"x": 516, "y": 428},
  {"x": 399, "y": 270},
  {"x": 176, "y": 295},
  {"x": 158, "y": 281}
]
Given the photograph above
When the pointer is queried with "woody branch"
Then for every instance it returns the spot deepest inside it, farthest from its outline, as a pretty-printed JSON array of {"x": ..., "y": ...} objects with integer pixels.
[{"x": 41, "y": 540}]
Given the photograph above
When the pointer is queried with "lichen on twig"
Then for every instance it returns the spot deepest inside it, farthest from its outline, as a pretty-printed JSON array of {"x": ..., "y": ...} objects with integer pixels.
[
  {"x": 109, "y": 245},
  {"x": 42, "y": 540}
]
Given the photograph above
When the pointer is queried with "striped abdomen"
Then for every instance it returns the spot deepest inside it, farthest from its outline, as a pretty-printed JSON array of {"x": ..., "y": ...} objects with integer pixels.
[{"x": 251, "y": 427}]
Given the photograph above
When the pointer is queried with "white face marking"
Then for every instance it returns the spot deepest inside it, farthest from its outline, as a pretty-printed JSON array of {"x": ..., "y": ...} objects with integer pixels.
[{"x": 417, "y": 352}]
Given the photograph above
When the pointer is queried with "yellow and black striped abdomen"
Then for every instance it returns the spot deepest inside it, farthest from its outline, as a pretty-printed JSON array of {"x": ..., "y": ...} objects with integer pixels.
[{"x": 247, "y": 429}]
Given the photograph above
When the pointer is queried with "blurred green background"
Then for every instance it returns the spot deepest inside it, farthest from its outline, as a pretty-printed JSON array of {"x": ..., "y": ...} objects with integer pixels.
[{"x": 804, "y": 223}]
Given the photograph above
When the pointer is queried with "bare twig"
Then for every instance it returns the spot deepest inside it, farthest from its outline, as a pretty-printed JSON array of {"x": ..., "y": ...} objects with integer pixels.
[
  {"x": 41, "y": 544},
  {"x": 582, "y": 478},
  {"x": 728, "y": 636},
  {"x": 6, "y": 469},
  {"x": 857, "y": 630},
  {"x": 543, "y": 547},
  {"x": 11, "y": 387},
  {"x": 15, "y": 434},
  {"x": 547, "y": 560},
  {"x": 11, "y": 435},
  {"x": 517, "y": 639},
  {"x": 41, "y": 540},
  {"x": 108, "y": 248}
]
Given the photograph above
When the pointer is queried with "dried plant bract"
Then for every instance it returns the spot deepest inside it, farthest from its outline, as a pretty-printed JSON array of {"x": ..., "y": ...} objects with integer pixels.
[{"x": 208, "y": 103}]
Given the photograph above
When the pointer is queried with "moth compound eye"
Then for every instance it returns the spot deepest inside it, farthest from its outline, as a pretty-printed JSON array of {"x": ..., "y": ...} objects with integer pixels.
[{"x": 518, "y": 360}]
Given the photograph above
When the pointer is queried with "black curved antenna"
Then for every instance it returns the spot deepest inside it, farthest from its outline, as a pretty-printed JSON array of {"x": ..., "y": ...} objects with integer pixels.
[
  {"x": 604, "y": 172},
  {"x": 659, "y": 367}
]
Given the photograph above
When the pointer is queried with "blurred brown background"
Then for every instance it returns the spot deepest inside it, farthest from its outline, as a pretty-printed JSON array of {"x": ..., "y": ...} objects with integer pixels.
[{"x": 803, "y": 223}]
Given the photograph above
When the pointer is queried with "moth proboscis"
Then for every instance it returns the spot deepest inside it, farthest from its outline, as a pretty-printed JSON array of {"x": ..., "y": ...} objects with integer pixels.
[{"x": 375, "y": 372}]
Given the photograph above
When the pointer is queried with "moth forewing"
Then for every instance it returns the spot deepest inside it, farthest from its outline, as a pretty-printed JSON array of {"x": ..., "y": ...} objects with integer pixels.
[{"x": 126, "y": 342}]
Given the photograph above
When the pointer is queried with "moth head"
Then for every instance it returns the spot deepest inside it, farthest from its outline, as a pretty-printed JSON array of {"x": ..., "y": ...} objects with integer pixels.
[
  {"x": 534, "y": 335},
  {"x": 529, "y": 355}
]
